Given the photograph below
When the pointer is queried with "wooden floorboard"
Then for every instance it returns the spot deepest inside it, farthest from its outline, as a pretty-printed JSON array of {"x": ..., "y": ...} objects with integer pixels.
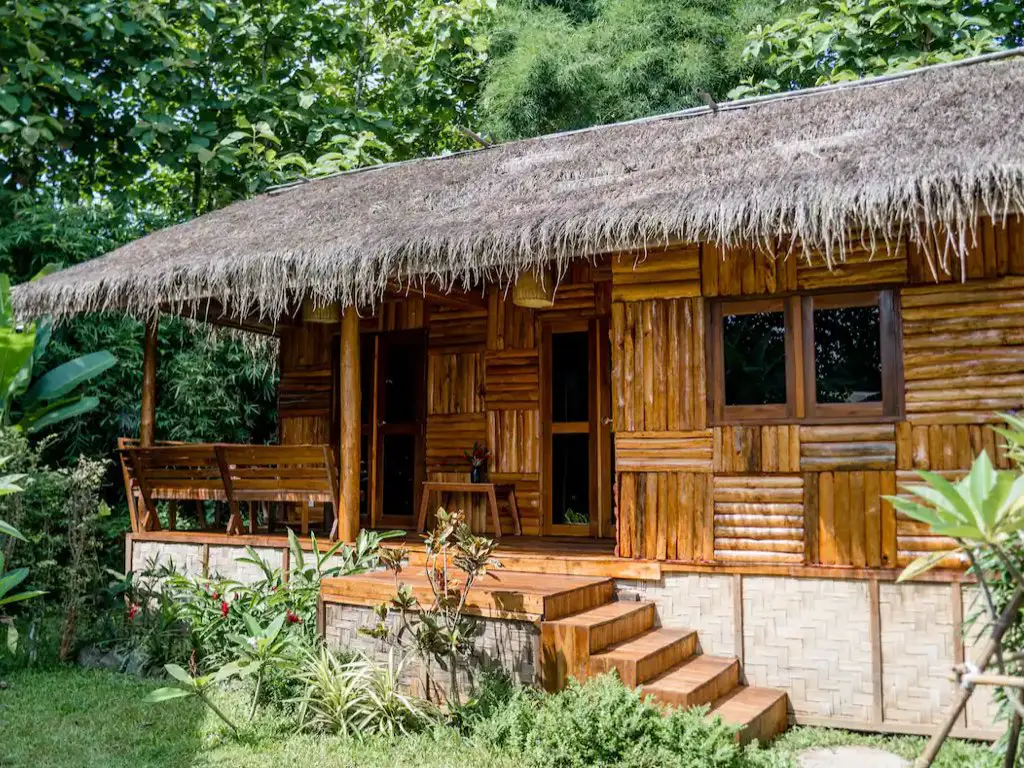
[{"x": 499, "y": 593}]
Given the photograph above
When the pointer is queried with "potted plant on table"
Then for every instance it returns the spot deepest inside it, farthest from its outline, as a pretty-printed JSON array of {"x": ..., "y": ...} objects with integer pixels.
[{"x": 478, "y": 458}]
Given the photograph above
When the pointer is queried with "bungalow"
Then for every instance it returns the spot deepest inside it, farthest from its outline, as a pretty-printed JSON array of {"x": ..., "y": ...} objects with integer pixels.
[{"x": 699, "y": 349}]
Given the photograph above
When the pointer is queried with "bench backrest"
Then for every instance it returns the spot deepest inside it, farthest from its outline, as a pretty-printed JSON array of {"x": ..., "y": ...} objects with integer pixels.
[
  {"x": 177, "y": 471},
  {"x": 298, "y": 473}
]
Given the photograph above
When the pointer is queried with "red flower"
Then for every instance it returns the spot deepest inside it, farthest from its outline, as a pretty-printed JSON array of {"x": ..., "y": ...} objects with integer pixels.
[
  {"x": 215, "y": 596},
  {"x": 223, "y": 608},
  {"x": 292, "y": 618},
  {"x": 133, "y": 609}
]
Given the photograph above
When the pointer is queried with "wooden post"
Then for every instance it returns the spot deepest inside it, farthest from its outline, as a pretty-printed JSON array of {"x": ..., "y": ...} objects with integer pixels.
[
  {"x": 349, "y": 407},
  {"x": 147, "y": 423}
]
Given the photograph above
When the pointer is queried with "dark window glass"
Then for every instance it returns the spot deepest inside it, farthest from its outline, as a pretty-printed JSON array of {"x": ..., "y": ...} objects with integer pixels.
[
  {"x": 755, "y": 358},
  {"x": 570, "y": 479},
  {"x": 570, "y": 377},
  {"x": 847, "y": 355},
  {"x": 399, "y": 475},
  {"x": 402, "y": 384}
]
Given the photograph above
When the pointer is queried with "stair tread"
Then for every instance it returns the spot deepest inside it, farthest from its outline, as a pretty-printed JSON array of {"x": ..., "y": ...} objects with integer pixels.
[
  {"x": 602, "y": 614},
  {"x": 743, "y": 704},
  {"x": 650, "y": 642},
  {"x": 691, "y": 674}
]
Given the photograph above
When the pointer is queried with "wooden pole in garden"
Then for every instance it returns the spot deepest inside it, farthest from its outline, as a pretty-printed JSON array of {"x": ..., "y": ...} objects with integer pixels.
[
  {"x": 147, "y": 423},
  {"x": 350, "y": 409}
]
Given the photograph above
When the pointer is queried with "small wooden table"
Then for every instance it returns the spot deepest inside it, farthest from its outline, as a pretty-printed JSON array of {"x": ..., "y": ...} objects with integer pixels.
[{"x": 490, "y": 489}]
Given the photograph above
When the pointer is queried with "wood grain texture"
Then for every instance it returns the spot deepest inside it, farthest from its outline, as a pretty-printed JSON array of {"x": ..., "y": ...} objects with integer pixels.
[
  {"x": 745, "y": 271},
  {"x": 455, "y": 382},
  {"x": 855, "y": 525},
  {"x": 863, "y": 264},
  {"x": 449, "y": 436},
  {"x": 657, "y": 274},
  {"x": 963, "y": 351},
  {"x": 658, "y": 381},
  {"x": 665, "y": 516},
  {"x": 512, "y": 379},
  {"x": 839, "y": 447},
  {"x": 994, "y": 249},
  {"x": 755, "y": 449},
  {"x": 914, "y": 539},
  {"x": 663, "y": 451},
  {"x": 759, "y": 518},
  {"x": 947, "y": 446}
]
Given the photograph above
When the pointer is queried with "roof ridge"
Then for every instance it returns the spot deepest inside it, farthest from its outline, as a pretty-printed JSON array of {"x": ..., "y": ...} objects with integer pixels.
[{"x": 698, "y": 111}]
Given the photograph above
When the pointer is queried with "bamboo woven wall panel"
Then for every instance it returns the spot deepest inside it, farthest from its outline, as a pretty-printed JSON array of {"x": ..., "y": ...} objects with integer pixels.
[
  {"x": 663, "y": 451},
  {"x": 862, "y": 446},
  {"x": 738, "y": 271},
  {"x": 745, "y": 450},
  {"x": 449, "y": 436},
  {"x": 995, "y": 250},
  {"x": 915, "y": 539},
  {"x": 665, "y": 516},
  {"x": 512, "y": 379},
  {"x": 458, "y": 330},
  {"x": 847, "y": 520},
  {"x": 509, "y": 326},
  {"x": 455, "y": 383},
  {"x": 963, "y": 351},
  {"x": 657, "y": 274},
  {"x": 514, "y": 438},
  {"x": 658, "y": 373},
  {"x": 862, "y": 265},
  {"x": 759, "y": 518},
  {"x": 947, "y": 446}
]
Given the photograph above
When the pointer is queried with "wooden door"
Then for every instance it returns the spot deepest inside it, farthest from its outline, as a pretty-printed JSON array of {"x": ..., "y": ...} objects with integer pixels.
[
  {"x": 576, "y": 410},
  {"x": 397, "y": 465}
]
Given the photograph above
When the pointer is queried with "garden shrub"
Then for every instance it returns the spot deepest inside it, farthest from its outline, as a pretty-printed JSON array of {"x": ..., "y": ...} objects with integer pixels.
[{"x": 603, "y": 723}]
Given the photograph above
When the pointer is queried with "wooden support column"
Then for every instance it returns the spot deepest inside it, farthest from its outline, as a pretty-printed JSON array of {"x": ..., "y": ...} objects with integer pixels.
[
  {"x": 147, "y": 423},
  {"x": 348, "y": 510}
]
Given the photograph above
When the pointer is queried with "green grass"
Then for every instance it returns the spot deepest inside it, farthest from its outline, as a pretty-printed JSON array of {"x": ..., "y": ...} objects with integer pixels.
[{"x": 68, "y": 718}]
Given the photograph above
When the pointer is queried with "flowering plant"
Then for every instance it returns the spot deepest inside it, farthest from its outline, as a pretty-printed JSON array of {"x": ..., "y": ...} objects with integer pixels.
[{"x": 479, "y": 455}]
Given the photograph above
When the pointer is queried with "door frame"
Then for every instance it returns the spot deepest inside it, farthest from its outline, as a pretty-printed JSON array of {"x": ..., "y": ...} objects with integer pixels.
[
  {"x": 597, "y": 426},
  {"x": 379, "y": 429}
]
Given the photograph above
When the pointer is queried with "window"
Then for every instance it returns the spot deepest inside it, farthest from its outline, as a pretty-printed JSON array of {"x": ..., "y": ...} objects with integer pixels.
[{"x": 804, "y": 358}]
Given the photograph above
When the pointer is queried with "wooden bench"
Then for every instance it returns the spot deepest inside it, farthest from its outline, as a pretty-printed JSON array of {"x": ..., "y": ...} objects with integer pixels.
[
  {"x": 279, "y": 473},
  {"x": 178, "y": 472},
  {"x": 229, "y": 473}
]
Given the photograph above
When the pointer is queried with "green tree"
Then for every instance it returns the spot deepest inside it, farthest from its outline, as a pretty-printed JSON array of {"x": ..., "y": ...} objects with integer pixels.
[
  {"x": 577, "y": 63},
  {"x": 837, "y": 40}
]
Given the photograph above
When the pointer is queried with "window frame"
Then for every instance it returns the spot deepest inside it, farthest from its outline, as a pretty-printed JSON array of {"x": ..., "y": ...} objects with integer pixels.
[{"x": 801, "y": 404}]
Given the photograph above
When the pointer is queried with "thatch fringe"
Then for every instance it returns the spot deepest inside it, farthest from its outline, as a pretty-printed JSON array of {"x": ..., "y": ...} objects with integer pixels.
[{"x": 921, "y": 157}]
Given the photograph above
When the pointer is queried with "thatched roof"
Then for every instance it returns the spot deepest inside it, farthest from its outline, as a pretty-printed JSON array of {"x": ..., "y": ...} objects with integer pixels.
[{"x": 938, "y": 146}]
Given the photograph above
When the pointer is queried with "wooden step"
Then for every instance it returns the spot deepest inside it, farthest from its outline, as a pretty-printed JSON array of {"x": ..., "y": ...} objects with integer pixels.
[
  {"x": 500, "y": 593},
  {"x": 566, "y": 644},
  {"x": 612, "y": 623},
  {"x": 760, "y": 712},
  {"x": 698, "y": 680},
  {"x": 646, "y": 656}
]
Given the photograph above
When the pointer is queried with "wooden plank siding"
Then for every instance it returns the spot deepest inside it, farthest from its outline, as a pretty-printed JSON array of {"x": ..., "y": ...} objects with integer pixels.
[{"x": 688, "y": 487}]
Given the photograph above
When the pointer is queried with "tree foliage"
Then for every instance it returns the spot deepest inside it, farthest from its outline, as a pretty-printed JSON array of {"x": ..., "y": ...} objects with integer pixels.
[
  {"x": 574, "y": 63},
  {"x": 837, "y": 40}
]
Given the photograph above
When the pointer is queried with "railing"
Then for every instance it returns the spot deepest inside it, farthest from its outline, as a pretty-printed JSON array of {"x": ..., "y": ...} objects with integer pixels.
[{"x": 229, "y": 473}]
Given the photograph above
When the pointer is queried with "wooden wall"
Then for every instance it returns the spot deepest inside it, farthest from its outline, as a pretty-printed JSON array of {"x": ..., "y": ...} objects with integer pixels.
[{"x": 798, "y": 493}]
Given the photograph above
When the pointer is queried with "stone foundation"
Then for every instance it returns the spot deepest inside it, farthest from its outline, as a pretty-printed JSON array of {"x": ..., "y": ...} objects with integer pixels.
[{"x": 512, "y": 646}]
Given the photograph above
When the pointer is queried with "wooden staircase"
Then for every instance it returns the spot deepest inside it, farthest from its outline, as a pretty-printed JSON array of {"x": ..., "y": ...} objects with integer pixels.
[{"x": 665, "y": 664}]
